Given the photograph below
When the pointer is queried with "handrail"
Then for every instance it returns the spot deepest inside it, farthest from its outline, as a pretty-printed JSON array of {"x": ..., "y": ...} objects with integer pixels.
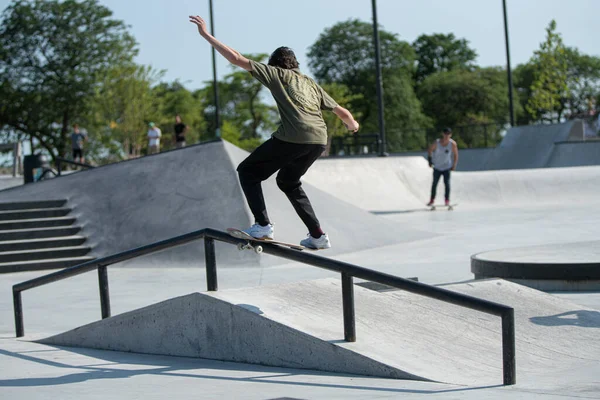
[
  {"x": 60, "y": 160},
  {"x": 347, "y": 271}
]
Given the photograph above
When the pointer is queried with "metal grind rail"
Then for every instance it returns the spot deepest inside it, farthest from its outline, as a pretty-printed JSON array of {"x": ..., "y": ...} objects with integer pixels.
[{"x": 348, "y": 273}]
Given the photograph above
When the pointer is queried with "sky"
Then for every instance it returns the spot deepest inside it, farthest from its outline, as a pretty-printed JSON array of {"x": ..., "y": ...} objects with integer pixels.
[{"x": 167, "y": 41}]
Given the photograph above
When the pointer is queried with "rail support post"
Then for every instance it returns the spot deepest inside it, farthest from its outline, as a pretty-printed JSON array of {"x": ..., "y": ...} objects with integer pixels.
[
  {"x": 211, "y": 264},
  {"x": 509, "y": 366},
  {"x": 348, "y": 305},
  {"x": 18, "y": 307},
  {"x": 104, "y": 292}
]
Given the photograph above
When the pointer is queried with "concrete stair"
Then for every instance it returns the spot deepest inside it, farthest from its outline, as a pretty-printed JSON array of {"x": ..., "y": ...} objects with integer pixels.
[{"x": 40, "y": 235}]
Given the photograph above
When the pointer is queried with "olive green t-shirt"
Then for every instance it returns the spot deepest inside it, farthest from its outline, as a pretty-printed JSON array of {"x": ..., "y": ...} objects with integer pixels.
[{"x": 299, "y": 100}]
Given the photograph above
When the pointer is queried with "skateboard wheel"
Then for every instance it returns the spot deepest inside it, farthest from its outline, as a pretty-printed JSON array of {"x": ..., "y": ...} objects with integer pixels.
[
  {"x": 258, "y": 249},
  {"x": 240, "y": 246}
]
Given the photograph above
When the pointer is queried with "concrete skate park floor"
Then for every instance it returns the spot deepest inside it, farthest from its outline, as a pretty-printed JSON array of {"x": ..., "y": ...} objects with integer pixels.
[{"x": 30, "y": 371}]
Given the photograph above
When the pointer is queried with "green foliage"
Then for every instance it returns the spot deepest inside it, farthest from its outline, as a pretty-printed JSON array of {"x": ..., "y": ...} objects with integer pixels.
[
  {"x": 51, "y": 55},
  {"x": 583, "y": 82},
  {"x": 549, "y": 87},
  {"x": 174, "y": 99},
  {"x": 460, "y": 97},
  {"x": 344, "y": 54},
  {"x": 124, "y": 103},
  {"x": 230, "y": 133},
  {"x": 442, "y": 53}
]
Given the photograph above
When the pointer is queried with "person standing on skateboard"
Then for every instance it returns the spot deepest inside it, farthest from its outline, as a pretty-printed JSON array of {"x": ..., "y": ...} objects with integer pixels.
[
  {"x": 443, "y": 158},
  {"x": 298, "y": 142}
]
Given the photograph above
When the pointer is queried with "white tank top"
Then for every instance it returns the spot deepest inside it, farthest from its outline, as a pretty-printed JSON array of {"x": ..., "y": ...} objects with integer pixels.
[{"x": 442, "y": 156}]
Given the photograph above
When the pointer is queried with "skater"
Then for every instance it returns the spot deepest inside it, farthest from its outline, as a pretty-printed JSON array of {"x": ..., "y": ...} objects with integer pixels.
[
  {"x": 294, "y": 147},
  {"x": 443, "y": 157}
]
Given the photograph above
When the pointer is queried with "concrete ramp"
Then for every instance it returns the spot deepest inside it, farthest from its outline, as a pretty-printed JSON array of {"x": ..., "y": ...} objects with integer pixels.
[
  {"x": 401, "y": 184},
  {"x": 136, "y": 202},
  {"x": 203, "y": 326},
  {"x": 399, "y": 335}
]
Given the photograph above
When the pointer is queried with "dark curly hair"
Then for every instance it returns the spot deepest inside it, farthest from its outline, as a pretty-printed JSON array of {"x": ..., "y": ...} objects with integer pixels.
[{"x": 283, "y": 57}]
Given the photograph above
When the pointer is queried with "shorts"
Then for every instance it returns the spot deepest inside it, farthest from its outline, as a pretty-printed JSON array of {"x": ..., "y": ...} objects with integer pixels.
[{"x": 77, "y": 153}]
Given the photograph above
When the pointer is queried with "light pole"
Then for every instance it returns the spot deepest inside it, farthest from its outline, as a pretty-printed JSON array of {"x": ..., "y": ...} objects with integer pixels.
[
  {"x": 215, "y": 82},
  {"x": 508, "y": 68},
  {"x": 379, "y": 84}
]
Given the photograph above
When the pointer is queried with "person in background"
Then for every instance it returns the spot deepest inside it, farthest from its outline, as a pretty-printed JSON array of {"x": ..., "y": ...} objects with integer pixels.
[
  {"x": 77, "y": 140},
  {"x": 154, "y": 135},
  {"x": 443, "y": 158},
  {"x": 180, "y": 131}
]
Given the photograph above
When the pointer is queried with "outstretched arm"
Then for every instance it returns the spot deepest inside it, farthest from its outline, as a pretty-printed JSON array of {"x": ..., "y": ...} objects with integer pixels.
[
  {"x": 347, "y": 118},
  {"x": 230, "y": 54}
]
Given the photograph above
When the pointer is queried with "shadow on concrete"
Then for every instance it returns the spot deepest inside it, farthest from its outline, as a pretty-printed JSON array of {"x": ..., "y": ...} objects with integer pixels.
[
  {"x": 176, "y": 367},
  {"x": 392, "y": 212},
  {"x": 582, "y": 318}
]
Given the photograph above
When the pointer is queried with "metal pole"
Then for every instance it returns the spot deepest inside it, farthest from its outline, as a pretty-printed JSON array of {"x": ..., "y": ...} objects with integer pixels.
[
  {"x": 215, "y": 82},
  {"x": 379, "y": 85},
  {"x": 508, "y": 67},
  {"x": 211, "y": 265},
  {"x": 508, "y": 348},
  {"x": 348, "y": 306},
  {"x": 104, "y": 292},
  {"x": 18, "y": 307}
]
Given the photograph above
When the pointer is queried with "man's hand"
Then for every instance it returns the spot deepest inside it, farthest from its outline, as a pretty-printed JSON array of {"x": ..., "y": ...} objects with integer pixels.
[
  {"x": 200, "y": 23},
  {"x": 352, "y": 126}
]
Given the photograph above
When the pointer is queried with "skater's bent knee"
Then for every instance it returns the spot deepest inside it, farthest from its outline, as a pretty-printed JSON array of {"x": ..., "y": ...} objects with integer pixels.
[{"x": 287, "y": 186}]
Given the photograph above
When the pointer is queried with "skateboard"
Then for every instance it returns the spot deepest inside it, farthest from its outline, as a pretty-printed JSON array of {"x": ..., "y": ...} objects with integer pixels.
[
  {"x": 450, "y": 206},
  {"x": 254, "y": 244}
]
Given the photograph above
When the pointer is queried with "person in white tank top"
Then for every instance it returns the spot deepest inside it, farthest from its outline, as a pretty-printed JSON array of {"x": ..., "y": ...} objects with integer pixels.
[{"x": 443, "y": 158}]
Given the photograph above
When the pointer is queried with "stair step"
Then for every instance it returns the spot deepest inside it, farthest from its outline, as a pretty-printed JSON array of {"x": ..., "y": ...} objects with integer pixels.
[
  {"x": 57, "y": 263},
  {"x": 36, "y": 223},
  {"x": 33, "y": 213},
  {"x": 44, "y": 243},
  {"x": 44, "y": 254},
  {"x": 27, "y": 205},
  {"x": 38, "y": 233}
]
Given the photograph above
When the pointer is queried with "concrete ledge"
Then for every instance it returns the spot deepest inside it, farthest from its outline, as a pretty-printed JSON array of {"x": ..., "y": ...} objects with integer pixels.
[{"x": 570, "y": 266}]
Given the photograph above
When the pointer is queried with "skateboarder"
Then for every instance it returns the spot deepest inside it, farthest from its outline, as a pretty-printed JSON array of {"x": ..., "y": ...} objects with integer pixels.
[
  {"x": 443, "y": 157},
  {"x": 297, "y": 143}
]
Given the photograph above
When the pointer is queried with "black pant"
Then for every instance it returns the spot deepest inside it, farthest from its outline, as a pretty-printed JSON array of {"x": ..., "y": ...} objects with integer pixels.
[
  {"x": 436, "y": 178},
  {"x": 292, "y": 160}
]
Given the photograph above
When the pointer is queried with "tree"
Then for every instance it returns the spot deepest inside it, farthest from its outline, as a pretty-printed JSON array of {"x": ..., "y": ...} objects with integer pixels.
[
  {"x": 460, "y": 98},
  {"x": 174, "y": 99},
  {"x": 583, "y": 82},
  {"x": 523, "y": 77},
  {"x": 442, "y": 53},
  {"x": 549, "y": 88},
  {"x": 123, "y": 105},
  {"x": 342, "y": 95},
  {"x": 51, "y": 55},
  {"x": 345, "y": 53}
]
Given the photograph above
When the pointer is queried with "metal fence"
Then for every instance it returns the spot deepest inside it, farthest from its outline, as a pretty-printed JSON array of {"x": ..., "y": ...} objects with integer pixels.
[{"x": 418, "y": 139}]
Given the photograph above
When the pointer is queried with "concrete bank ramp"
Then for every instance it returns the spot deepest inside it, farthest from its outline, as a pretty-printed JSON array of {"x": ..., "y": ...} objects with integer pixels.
[
  {"x": 399, "y": 335},
  {"x": 400, "y": 184},
  {"x": 133, "y": 203}
]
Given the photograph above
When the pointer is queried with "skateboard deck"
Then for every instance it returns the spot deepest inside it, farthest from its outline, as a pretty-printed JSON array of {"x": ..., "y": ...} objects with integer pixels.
[
  {"x": 449, "y": 206},
  {"x": 254, "y": 244}
]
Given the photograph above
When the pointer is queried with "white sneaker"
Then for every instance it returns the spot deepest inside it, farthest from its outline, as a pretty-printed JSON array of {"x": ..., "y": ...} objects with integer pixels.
[
  {"x": 320, "y": 243},
  {"x": 261, "y": 232}
]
